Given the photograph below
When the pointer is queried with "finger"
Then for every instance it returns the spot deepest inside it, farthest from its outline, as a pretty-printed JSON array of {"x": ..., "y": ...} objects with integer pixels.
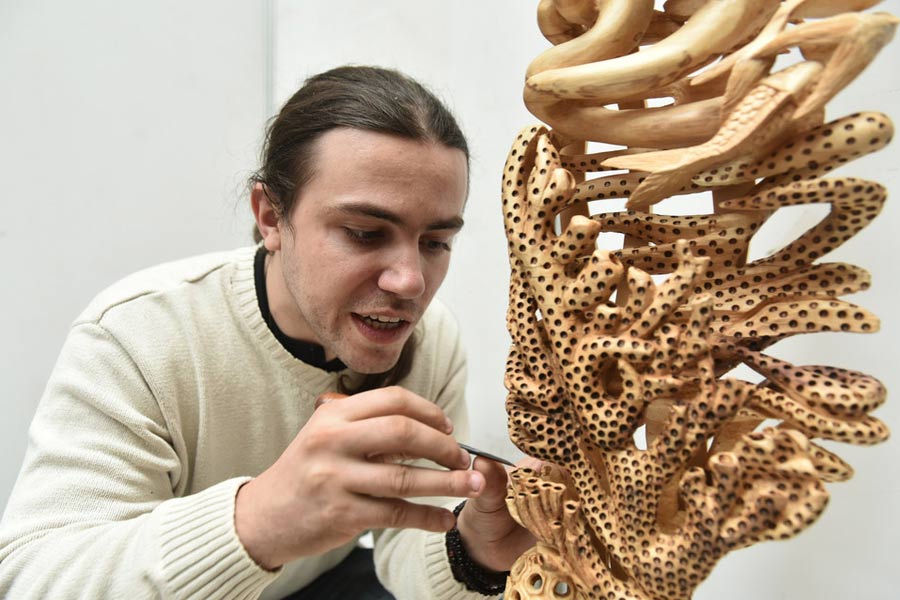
[
  {"x": 496, "y": 479},
  {"x": 390, "y": 401},
  {"x": 400, "y": 514},
  {"x": 409, "y": 481},
  {"x": 387, "y": 401},
  {"x": 398, "y": 435},
  {"x": 328, "y": 397}
]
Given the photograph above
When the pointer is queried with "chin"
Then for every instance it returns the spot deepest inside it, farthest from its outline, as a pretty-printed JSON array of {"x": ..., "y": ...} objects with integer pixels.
[{"x": 369, "y": 364}]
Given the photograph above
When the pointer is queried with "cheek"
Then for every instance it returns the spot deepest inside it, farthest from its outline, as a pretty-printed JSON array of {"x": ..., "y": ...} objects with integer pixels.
[
  {"x": 341, "y": 280},
  {"x": 435, "y": 272}
]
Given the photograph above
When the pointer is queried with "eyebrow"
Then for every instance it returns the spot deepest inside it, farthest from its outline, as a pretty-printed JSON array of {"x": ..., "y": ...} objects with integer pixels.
[{"x": 377, "y": 212}]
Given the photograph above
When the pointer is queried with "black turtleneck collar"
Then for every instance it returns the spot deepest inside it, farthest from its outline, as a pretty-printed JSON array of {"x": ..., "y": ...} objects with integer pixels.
[{"x": 310, "y": 353}]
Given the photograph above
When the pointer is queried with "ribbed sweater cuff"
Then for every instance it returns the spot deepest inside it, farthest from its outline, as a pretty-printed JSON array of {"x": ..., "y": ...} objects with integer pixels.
[
  {"x": 439, "y": 573},
  {"x": 202, "y": 556}
]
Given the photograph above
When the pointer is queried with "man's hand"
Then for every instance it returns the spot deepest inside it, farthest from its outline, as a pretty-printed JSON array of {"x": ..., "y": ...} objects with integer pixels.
[
  {"x": 490, "y": 535},
  {"x": 338, "y": 477}
]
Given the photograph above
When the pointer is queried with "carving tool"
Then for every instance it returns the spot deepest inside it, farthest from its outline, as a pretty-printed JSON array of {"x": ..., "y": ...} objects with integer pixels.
[{"x": 487, "y": 455}]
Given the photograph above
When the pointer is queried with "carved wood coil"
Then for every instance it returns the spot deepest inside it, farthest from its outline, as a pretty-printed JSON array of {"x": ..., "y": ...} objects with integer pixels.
[{"x": 607, "y": 343}]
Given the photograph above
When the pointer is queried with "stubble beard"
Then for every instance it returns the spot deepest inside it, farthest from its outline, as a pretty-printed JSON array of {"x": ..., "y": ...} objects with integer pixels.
[
  {"x": 337, "y": 333},
  {"x": 339, "y": 341}
]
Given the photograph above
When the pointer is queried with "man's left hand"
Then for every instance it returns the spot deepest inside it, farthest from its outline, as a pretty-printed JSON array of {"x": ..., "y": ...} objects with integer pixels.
[{"x": 490, "y": 535}]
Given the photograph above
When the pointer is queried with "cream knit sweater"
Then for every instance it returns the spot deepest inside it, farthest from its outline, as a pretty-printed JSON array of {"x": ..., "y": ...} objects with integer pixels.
[{"x": 169, "y": 393}]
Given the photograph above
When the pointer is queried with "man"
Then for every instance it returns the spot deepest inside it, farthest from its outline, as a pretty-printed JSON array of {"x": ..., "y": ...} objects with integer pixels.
[{"x": 186, "y": 446}]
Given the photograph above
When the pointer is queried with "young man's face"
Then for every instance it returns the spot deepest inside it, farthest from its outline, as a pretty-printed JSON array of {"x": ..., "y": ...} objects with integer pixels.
[{"x": 367, "y": 244}]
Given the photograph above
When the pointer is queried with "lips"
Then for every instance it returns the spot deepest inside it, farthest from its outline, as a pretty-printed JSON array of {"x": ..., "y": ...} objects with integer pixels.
[
  {"x": 382, "y": 322},
  {"x": 381, "y": 329}
]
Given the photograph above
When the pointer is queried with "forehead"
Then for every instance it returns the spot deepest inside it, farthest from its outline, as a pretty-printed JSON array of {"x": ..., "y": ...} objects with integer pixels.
[
  {"x": 364, "y": 147},
  {"x": 395, "y": 173}
]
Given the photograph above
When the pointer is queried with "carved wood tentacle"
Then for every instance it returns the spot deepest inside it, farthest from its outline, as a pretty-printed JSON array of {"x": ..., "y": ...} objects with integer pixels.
[
  {"x": 618, "y": 30},
  {"x": 757, "y": 124},
  {"x": 713, "y": 30},
  {"x": 809, "y": 154}
]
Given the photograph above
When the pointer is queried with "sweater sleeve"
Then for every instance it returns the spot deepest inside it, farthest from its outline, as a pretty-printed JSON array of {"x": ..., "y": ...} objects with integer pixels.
[
  {"x": 412, "y": 564},
  {"x": 93, "y": 512}
]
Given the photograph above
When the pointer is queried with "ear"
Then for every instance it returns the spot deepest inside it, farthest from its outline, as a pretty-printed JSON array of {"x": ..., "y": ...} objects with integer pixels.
[{"x": 266, "y": 218}]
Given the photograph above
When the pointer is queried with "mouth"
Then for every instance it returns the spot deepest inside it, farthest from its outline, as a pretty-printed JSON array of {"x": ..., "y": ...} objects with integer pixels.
[
  {"x": 381, "y": 322},
  {"x": 382, "y": 329}
]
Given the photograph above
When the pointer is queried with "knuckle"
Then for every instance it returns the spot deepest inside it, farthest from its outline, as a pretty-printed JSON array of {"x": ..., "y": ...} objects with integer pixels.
[
  {"x": 401, "y": 429},
  {"x": 322, "y": 437},
  {"x": 325, "y": 408},
  {"x": 452, "y": 452},
  {"x": 319, "y": 476},
  {"x": 331, "y": 513},
  {"x": 343, "y": 517},
  {"x": 397, "y": 514},
  {"x": 457, "y": 484},
  {"x": 314, "y": 439},
  {"x": 403, "y": 480},
  {"x": 431, "y": 518},
  {"x": 394, "y": 397},
  {"x": 316, "y": 435},
  {"x": 395, "y": 391},
  {"x": 324, "y": 399}
]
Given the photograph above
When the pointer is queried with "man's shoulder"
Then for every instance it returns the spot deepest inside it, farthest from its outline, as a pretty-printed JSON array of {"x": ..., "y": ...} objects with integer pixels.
[
  {"x": 161, "y": 279},
  {"x": 438, "y": 341},
  {"x": 438, "y": 323},
  {"x": 438, "y": 366}
]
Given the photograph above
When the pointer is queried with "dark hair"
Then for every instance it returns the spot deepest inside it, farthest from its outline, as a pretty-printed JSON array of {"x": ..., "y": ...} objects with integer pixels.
[{"x": 356, "y": 97}]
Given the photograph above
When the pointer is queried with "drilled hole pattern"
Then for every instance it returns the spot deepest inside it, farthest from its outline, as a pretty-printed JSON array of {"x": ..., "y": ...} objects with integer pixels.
[{"x": 607, "y": 343}]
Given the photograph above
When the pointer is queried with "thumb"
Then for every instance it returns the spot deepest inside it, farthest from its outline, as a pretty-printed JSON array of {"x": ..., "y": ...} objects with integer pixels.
[{"x": 493, "y": 496}]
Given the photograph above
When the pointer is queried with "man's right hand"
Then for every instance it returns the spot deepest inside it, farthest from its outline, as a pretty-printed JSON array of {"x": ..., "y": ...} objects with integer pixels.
[{"x": 339, "y": 477}]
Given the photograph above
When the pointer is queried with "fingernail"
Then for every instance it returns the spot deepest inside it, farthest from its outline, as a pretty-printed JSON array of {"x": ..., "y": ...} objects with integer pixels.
[
  {"x": 448, "y": 425},
  {"x": 476, "y": 481},
  {"x": 464, "y": 459}
]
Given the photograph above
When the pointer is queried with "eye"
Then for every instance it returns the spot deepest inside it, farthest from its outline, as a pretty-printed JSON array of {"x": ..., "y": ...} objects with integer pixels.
[
  {"x": 436, "y": 246},
  {"x": 362, "y": 236}
]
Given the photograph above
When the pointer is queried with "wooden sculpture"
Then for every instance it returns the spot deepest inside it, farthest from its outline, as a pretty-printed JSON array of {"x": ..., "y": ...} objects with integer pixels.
[{"x": 601, "y": 348}]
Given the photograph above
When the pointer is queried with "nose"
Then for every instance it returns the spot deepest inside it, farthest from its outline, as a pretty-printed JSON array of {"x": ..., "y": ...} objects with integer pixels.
[{"x": 403, "y": 275}]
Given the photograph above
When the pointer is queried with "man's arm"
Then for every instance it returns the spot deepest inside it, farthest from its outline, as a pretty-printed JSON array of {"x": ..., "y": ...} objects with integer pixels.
[{"x": 93, "y": 513}]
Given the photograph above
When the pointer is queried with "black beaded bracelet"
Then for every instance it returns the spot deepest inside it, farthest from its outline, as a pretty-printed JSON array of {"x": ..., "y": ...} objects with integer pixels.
[{"x": 466, "y": 571}]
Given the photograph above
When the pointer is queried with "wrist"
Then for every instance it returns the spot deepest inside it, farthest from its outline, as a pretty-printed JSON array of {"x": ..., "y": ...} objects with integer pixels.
[
  {"x": 468, "y": 570},
  {"x": 473, "y": 527},
  {"x": 250, "y": 533}
]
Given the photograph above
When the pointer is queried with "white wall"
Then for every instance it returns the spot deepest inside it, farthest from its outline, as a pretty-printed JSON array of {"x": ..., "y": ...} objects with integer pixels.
[
  {"x": 474, "y": 53},
  {"x": 126, "y": 130}
]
